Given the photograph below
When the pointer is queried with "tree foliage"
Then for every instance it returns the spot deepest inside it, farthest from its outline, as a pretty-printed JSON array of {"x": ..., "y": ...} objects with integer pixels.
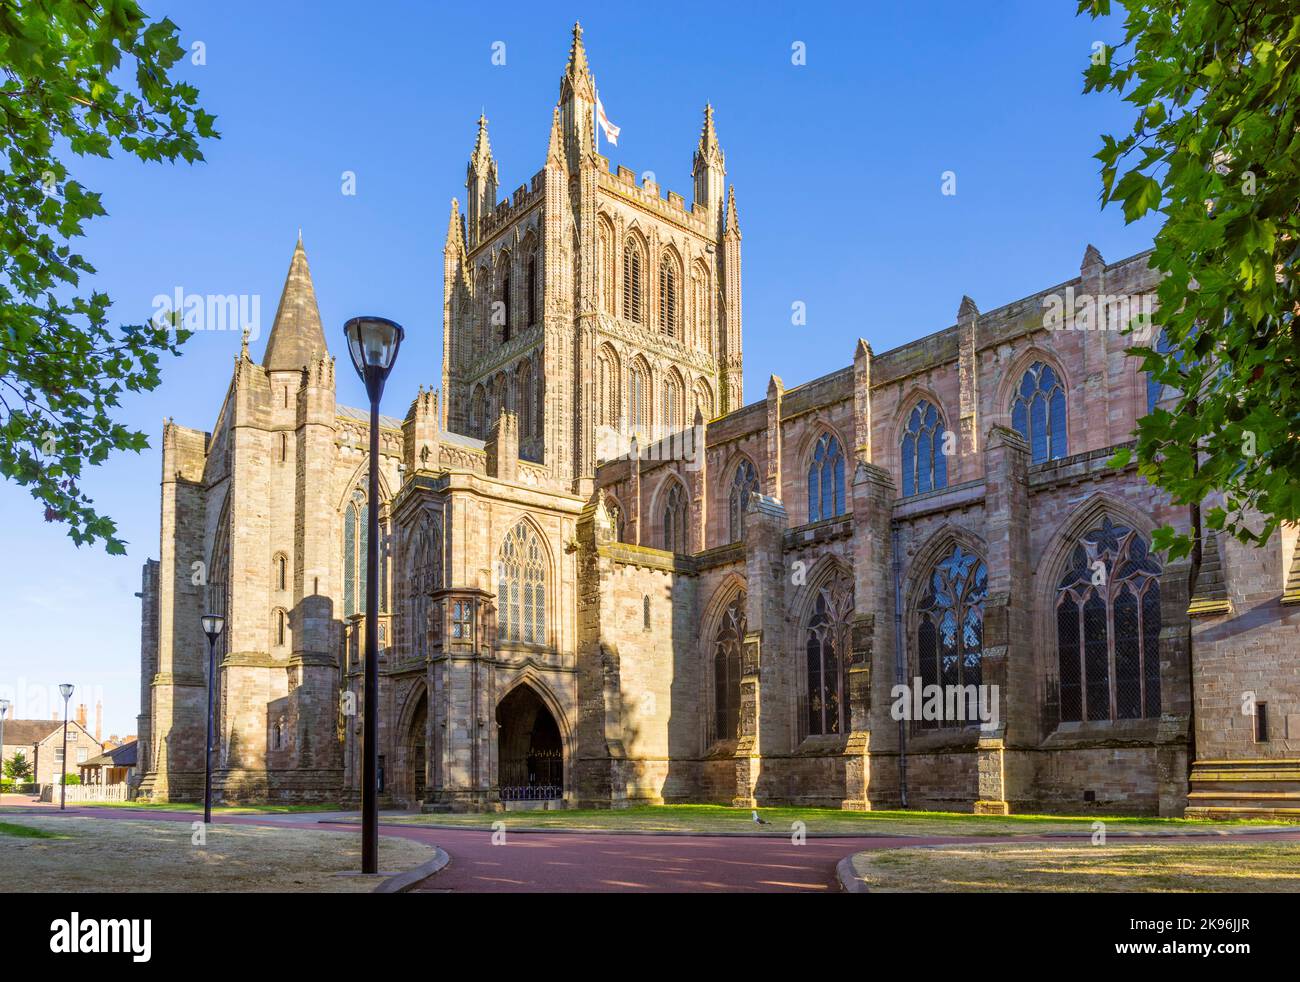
[
  {"x": 80, "y": 78},
  {"x": 1215, "y": 149},
  {"x": 17, "y": 767}
]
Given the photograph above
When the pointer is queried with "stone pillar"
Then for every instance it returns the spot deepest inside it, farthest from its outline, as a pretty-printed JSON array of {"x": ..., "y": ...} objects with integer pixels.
[
  {"x": 772, "y": 464},
  {"x": 862, "y": 401},
  {"x": 698, "y": 471},
  {"x": 1175, "y": 690},
  {"x": 632, "y": 524},
  {"x": 502, "y": 447},
  {"x": 1005, "y": 750},
  {"x": 968, "y": 378},
  {"x": 599, "y": 767},
  {"x": 871, "y": 765},
  {"x": 764, "y": 729}
]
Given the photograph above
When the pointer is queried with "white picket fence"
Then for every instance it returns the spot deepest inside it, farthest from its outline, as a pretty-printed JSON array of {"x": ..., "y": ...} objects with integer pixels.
[{"x": 86, "y": 792}]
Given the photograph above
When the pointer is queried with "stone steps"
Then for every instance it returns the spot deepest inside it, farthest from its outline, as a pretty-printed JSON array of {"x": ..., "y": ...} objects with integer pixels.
[{"x": 1245, "y": 789}]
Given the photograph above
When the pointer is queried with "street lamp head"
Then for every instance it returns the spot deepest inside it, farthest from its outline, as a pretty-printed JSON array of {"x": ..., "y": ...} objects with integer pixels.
[
  {"x": 212, "y": 625},
  {"x": 65, "y": 690},
  {"x": 373, "y": 344},
  {"x": 4, "y": 708}
]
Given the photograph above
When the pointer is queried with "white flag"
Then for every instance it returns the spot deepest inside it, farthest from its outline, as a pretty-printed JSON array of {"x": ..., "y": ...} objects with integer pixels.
[{"x": 608, "y": 128}]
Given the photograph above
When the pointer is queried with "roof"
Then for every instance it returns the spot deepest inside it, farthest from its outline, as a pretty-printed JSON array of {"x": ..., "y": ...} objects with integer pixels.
[
  {"x": 296, "y": 336},
  {"x": 363, "y": 415},
  {"x": 123, "y": 756},
  {"x": 29, "y": 732}
]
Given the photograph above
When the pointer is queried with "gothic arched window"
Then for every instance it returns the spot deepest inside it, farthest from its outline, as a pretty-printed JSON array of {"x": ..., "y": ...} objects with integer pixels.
[
  {"x": 827, "y": 646},
  {"x": 521, "y": 587},
  {"x": 281, "y": 572},
  {"x": 700, "y": 305},
  {"x": 477, "y": 413},
  {"x": 633, "y": 282},
  {"x": 355, "y": 540},
  {"x": 669, "y": 300},
  {"x": 704, "y": 399},
  {"x": 675, "y": 518},
  {"x": 524, "y": 386},
  {"x": 607, "y": 407},
  {"x": 727, "y": 642},
  {"x": 638, "y": 397},
  {"x": 925, "y": 466},
  {"x": 280, "y": 626},
  {"x": 672, "y": 404},
  {"x": 502, "y": 317},
  {"x": 826, "y": 479},
  {"x": 605, "y": 265},
  {"x": 1156, "y": 391},
  {"x": 1108, "y": 628},
  {"x": 532, "y": 289},
  {"x": 744, "y": 482},
  {"x": 615, "y": 519},
  {"x": 950, "y": 629},
  {"x": 1038, "y": 412},
  {"x": 424, "y": 575}
]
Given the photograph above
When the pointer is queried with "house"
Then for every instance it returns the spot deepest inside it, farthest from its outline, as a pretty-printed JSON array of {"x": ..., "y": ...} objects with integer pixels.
[
  {"x": 41, "y": 742},
  {"x": 114, "y": 766}
]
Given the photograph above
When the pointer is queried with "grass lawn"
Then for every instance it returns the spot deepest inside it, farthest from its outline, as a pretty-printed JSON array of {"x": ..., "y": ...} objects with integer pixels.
[
  {"x": 1130, "y": 867},
  {"x": 74, "y": 854},
  {"x": 27, "y": 832},
  {"x": 720, "y": 818}
]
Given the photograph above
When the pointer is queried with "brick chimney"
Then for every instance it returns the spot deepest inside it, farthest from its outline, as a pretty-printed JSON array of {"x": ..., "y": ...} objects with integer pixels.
[
  {"x": 99, "y": 720},
  {"x": 81, "y": 714}
]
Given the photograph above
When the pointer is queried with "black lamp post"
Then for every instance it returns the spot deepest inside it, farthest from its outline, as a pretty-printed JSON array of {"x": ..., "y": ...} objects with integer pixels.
[
  {"x": 65, "y": 690},
  {"x": 373, "y": 344},
  {"x": 212, "y": 625}
]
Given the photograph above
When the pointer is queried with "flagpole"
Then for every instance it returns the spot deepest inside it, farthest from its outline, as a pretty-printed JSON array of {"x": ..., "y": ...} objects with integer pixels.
[{"x": 595, "y": 119}]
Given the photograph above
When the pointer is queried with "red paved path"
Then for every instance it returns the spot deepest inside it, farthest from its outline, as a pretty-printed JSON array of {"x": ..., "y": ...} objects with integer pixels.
[{"x": 595, "y": 862}]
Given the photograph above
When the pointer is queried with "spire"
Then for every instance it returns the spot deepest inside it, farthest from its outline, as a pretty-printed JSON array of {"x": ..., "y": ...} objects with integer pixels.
[
  {"x": 455, "y": 234},
  {"x": 482, "y": 154},
  {"x": 733, "y": 224},
  {"x": 555, "y": 152},
  {"x": 577, "y": 67},
  {"x": 297, "y": 338},
  {"x": 709, "y": 148}
]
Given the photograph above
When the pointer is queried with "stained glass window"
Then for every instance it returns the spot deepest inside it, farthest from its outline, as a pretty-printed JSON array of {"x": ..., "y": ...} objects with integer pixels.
[
  {"x": 1155, "y": 391},
  {"x": 925, "y": 465},
  {"x": 521, "y": 587},
  {"x": 727, "y": 642},
  {"x": 1038, "y": 412},
  {"x": 826, "y": 643},
  {"x": 744, "y": 482},
  {"x": 1108, "y": 628},
  {"x": 826, "y": 480},
  {"x": 950, "y": 629}
]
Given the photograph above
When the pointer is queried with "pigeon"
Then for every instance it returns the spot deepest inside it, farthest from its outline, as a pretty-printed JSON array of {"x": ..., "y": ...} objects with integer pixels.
[{"x": 757, "y": 820}]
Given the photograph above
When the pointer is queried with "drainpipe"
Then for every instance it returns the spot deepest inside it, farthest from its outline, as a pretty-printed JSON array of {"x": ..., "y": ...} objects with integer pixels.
[{"x": 899, "y": 666}]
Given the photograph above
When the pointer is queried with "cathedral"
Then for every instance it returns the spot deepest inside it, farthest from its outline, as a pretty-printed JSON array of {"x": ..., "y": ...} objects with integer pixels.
[{"x": 606, "y": 579}]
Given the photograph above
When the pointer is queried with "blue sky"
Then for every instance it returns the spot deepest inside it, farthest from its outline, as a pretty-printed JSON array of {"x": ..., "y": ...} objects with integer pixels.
[{"x": 837, "y": 166}]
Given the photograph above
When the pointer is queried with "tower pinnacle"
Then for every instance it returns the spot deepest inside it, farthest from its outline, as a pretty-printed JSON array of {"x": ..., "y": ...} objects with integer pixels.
[{"x": 297, "y": 338}]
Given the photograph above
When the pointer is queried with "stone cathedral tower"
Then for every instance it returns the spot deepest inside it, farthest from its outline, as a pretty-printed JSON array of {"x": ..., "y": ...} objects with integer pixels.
[{"x": 593, "y": 307}]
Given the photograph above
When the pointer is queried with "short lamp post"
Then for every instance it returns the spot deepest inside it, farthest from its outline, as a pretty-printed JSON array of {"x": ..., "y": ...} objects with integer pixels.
[
  {"x": 65, "y": 690},
  {"x": 4, "y": 711},
  {"x": 373, "y": 343},
  {"x": 212, "y": 625}
]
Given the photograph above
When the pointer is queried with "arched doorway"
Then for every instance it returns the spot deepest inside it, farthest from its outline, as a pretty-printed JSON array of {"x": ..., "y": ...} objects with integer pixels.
[
  {"x": 416, "y": 755},
  {"x": 530, "y": 750}
]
